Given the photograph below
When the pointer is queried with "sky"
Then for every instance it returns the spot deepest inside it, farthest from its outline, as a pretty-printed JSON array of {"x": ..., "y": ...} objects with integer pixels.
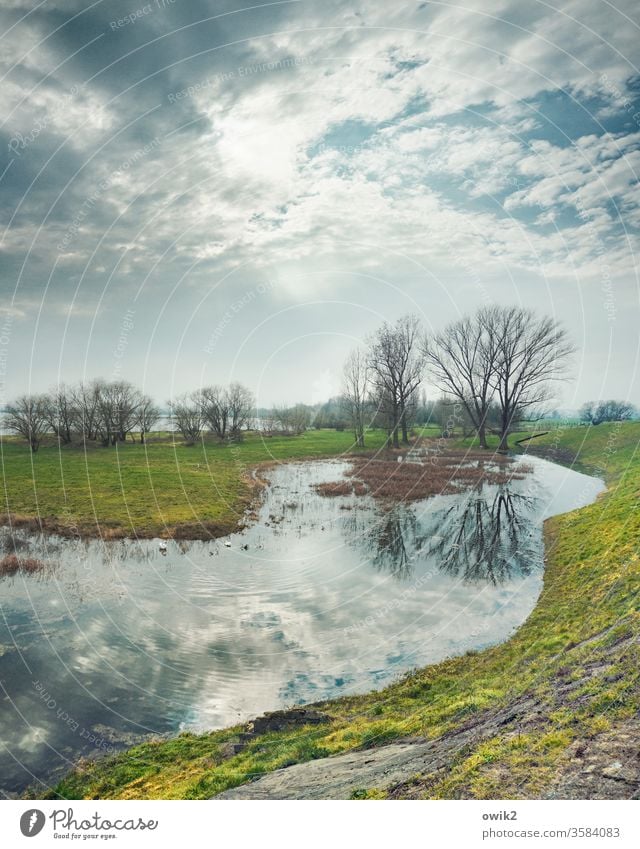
[{"x": 199, "y": 192}]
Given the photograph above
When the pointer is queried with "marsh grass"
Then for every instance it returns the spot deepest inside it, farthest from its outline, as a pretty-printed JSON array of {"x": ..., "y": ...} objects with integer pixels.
[
  {"x": 11, "y": 563},
  {"x": 441, "y": 474}
]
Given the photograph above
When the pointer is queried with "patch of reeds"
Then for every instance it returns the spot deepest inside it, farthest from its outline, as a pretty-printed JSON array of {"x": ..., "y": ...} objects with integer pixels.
[
  {"x": 10, "y": 564},
  {"x": 349, "y": 486},
  {"x": 399, "y": 478}
]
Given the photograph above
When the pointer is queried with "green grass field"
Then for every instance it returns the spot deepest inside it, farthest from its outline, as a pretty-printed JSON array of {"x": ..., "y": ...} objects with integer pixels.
[
  {"x": 588, "y": 605},
  {"x": 164, "y": 487}
]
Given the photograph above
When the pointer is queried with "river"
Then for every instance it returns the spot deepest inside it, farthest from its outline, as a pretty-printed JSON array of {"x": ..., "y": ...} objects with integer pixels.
[{"x": 320, "y": 597}]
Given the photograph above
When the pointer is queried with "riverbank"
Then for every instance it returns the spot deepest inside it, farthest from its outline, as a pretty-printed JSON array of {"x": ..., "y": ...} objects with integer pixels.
[{"x": 546, "y": 713}]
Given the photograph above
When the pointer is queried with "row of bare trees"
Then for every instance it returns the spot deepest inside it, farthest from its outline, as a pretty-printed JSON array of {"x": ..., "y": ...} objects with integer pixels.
[
  {"x": 108, "y": 412},
  {"x": 497, "y": 364},
  {"x": 291, "y": 421},
  {"x": 99, "y": 411},
  {"x": 597, "y": 412},
  {"x": 223, "y": 411}
]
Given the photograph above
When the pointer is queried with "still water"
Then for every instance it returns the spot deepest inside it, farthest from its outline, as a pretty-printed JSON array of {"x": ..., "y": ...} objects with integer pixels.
[{"x": 320, "y": 597}]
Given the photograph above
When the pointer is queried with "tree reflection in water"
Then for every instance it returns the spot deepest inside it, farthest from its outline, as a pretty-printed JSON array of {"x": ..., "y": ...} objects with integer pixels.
[
  {"x": 390, "y": 539},
  {"x": 487, "y": 539},
  {"x": 484, "y": 536}
]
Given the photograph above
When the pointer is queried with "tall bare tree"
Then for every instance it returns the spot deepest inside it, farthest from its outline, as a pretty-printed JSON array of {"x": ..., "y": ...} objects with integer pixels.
[
  {"x": 532, "y": 352},
  {"x": 356, "y": 385},
  {"x": 396, "y": 362},
  {"x": 410, "y": 369},
  {"x": 215, "y": 409},
  {"x": 462, "y": 363},
  {"x": 240, "y": 403},
  {"x": 27, "y": 417}
]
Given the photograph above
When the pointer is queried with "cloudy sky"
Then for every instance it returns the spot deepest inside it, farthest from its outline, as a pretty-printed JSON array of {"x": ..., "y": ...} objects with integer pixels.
[{"x": 200, "y": 191}]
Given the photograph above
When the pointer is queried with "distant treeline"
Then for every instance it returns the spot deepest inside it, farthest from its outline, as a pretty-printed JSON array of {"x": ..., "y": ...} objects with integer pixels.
[{"x": 108, "y": 412}]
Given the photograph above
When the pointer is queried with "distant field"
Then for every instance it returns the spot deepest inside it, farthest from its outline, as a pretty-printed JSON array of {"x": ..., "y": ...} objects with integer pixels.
[{"x": 163, "y": 487}]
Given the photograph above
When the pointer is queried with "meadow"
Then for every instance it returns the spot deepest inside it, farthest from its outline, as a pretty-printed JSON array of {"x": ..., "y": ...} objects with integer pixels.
[
  {"x": 568, "y": 680},
  {"x": 164, "y": 487}
]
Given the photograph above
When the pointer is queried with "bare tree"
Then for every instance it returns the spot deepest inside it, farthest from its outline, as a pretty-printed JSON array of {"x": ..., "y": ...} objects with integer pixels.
[
  {"x": 215, "y": 409},
  {"x": 146, "y": 416},
  {"x": 299, "y": 418},
  {"x": 293, "y": 420},
  {"x": 188, "y": 416},
  {"x": 106, "y": 424},
  {"x": 86, "y": 400},
  {"x": 117, "y": 407},
  {"x": 462, "y": 363},
  {"x": 607, "y": 411},
  {"x": 61, "y": 413},
  {"x": 384, "y": 378},
  {"x": 27, "y": 417},
  {"x": 356, "y": 392},
  {"x": 240, "y": 405},
  {"x": 270, "y": 422},
  {"x": 532, "y": 352},
  {"x": 396, "y": 363},
  {"x": 410, "y": 369},
  {"x": 278, "y": 417}
]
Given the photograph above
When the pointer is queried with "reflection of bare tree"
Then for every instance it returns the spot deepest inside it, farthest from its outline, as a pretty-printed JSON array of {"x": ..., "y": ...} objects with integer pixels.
[
  {"x": 390, "y": 537},
  {"x": 393, "y": 533},
  {"x": 485, "y": 539},
  {"x": 484, "y": 536}
]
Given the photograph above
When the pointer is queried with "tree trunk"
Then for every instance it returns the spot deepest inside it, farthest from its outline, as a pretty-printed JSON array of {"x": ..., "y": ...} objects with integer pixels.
[
  {"x": 396, "y": 441},
  {"x": 482, "y": 435},
  {"x": 504, "y": 428}
]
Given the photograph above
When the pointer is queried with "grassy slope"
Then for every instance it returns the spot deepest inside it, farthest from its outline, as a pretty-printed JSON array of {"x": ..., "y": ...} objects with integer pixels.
[
  {"x": 148, "y": 490},
  {"x": 590, "y": 591}
]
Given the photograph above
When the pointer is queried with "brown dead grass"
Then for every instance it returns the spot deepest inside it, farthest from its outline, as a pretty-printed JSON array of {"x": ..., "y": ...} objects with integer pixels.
[
  {"x": 205, "y": 530},
  {"x": 11, "y": 563},
  {"x": 345, "y": 487},
  {"x": 383, "y": 476}
]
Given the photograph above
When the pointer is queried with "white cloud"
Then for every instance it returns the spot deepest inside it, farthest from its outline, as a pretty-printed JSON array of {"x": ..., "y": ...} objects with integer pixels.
[{"x": 357, "y": 135}]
